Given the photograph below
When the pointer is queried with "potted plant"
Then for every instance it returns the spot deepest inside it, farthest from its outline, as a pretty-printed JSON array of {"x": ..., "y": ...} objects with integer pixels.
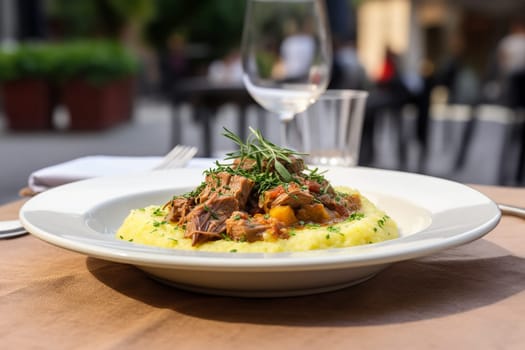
[
  {"x": 97, "y": 84},
  {"x": 26, "y": 88}
]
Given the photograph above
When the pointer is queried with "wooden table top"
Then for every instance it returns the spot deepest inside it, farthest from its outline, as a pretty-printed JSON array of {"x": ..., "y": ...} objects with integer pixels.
[{"x": 469, "y": 297}]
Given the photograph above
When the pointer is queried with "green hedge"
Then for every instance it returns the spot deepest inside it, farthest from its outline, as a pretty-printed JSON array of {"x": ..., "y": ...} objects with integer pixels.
[
  {"x": 29, "y": 61},
  {"x": 95, "y": 61}
]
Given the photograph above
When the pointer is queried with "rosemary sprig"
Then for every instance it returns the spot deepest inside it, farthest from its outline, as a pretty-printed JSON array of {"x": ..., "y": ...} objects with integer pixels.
[
  {"x": 262, "y": 151},
  {"x": 267, "y": 157},
  {"x": 315, "y": 175}
]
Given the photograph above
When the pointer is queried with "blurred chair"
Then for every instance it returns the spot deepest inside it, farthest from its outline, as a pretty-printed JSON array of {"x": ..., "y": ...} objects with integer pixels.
[
  {"x": 516, "y": 100},
  {"x": 519, "y": 134},
  {"x": 449, "y": 136},
  {"x": 493, "y": 150},
  {"x": 388, "y": 139},
  {"x": 385, "y": 103}
]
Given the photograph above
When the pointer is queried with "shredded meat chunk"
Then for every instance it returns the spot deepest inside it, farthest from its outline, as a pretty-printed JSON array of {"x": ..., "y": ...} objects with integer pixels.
[
  {"x": 208, "y": 220},
  {"x": 343, "y": 204},
  {"x": 240, "y": 227},
  {"x": 179, "y": 208},
  {"x": 224, "y": 184},
  {"x": 293, "y": 195},
  {"x": 245, "y": 228},
  {"x": 294, "y": 198},
  {"x": 295, "y": 165}
]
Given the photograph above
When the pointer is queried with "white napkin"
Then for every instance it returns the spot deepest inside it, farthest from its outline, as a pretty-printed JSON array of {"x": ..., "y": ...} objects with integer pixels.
[{"x": 93, "y": 166}]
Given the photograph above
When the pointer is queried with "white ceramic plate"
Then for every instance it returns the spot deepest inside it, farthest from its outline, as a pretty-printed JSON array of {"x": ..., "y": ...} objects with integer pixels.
[{"x": 433, "y": 214}]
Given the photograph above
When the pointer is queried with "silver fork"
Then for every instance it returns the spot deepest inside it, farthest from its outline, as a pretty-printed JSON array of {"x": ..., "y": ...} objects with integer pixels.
[
  {"x": 178, "y": 157},
  {"x": 11, "y": 229},
  {"x": 512, "y": 210}
]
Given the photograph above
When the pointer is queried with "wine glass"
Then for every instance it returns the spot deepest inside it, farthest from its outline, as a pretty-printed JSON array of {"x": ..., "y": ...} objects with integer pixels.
[{"x": 286, "y": 56}]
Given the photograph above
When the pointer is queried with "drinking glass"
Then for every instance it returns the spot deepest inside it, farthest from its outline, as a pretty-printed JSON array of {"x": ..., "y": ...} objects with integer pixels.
[
  {"x": 286, "y": 56},
  {"x": 340, "y": 114}
]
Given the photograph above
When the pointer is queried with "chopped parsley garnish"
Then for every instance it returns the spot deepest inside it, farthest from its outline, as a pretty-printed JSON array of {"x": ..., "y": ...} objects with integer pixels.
[
  {"x": 158, "y": 212},
  {"x": 195, "y": 192},
  {"x": 333, "y": 229},
  {"x": 355, "y": 216},
  {"x": 317, "y": 176},
  {"x": 381, "y": 222},
  {"x": 158, "y": 223},
  {"x": 225, "y": 237}
]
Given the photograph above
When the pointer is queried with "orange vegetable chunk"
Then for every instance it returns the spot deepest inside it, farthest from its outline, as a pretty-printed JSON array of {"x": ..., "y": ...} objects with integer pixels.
[{"x": 283, "y": 214}]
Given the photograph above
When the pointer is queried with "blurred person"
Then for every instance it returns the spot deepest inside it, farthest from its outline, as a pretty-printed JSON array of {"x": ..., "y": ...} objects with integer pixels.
[
  {"x": 174, "y": 63},
  {"x": 512, "y": 49},
  {"x": 177, "y": 60},
  {"x": 457, "y": 76},
  {"x": 297, "y": 50},
  {"x": 511, "y": 54},
  {"x": 389, "y": 68},
  {"x": 427, "y": 71},
  {"x": 228, "y": 69},
  {"x": 388, "y": 93},
  {"x": 31, "y": 20},
  {"x": 347, "y": 70},
  {"x": 463, "y": 87}
]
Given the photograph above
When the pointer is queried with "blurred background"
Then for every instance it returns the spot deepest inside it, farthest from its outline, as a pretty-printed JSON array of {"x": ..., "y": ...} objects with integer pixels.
[{"x": 134, "y": 77}]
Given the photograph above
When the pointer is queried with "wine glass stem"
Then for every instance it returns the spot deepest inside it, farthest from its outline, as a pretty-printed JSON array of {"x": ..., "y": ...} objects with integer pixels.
[{"x": 286, "y": 122}]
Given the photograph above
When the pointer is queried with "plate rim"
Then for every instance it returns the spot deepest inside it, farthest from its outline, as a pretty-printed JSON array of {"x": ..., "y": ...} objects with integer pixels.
[{"x": 311, "y": 260}]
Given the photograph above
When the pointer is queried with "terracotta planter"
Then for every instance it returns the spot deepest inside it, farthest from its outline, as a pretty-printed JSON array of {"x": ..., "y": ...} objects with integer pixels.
[
  {"x": 93, "y": 107},
  {"x": 28, "y": 104}
]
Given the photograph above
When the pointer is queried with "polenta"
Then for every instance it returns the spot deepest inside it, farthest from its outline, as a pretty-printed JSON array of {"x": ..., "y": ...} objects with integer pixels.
[
  {"x": 264, "y": 200},
  {"x": 369, "y": 225}
]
